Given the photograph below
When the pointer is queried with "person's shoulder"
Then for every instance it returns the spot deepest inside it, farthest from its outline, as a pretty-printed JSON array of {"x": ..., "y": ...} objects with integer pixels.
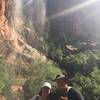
[
  {"x": 68, "y": 88},
  {"x": 54, "y": 91},
  {"x": 76, "y": 93},
  {"x": 54, "y": 94},
  {"x": 72, "y": 89},
  {"x": 35, "y": 97}
]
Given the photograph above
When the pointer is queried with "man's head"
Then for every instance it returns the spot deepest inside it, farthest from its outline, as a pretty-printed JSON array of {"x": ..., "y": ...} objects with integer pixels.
[{"x": 61, "y": 81}]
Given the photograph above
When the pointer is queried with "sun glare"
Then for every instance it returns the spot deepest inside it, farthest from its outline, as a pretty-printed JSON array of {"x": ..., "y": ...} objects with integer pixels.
[{"x": 73, "y": 9}]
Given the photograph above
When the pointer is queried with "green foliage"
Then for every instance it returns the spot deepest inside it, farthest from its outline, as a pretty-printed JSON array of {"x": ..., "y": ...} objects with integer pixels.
[
  {"x": 38, "y": 73},
  {"x": 82, "y": 62},
  {"x": 53, "y": 70},
  {"x": 32, "y": 75},
  {"x": 82, "y": 66},
  {"x": 55, "y": 52},
  {"x": 89, "y": 85},
  {"x": 7, "y": 75}
]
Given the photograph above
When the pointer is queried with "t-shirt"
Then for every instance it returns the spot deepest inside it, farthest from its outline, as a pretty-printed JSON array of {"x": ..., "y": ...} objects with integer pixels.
[
  {"x": 36, "y": 97},
  {"x": 71, "y": 94},
  {"x": 74, "y": 94}
]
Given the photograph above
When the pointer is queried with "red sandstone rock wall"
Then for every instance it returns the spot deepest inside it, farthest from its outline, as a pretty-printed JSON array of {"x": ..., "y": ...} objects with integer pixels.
[{"x": 11, "y": 43}]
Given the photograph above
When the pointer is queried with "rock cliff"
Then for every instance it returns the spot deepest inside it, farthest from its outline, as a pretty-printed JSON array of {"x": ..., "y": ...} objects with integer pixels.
[{"x": 12, "y": 45}]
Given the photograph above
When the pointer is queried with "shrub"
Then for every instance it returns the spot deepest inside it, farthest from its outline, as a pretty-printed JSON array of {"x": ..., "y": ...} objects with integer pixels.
[
  {"x": 7, "y": 75},
  {"x": 89, "y": 85},
  {"x": 38, "y": 73}
]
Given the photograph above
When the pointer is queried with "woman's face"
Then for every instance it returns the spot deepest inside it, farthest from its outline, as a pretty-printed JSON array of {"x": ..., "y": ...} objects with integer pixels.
[{"x": 45, "y": 91}]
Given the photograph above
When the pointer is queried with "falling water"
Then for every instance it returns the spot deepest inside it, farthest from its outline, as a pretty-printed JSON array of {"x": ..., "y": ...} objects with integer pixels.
[
  {"x": 33, "y": 11},
  {"x": 18, "y": 13},
  {"x": 18, "y": 7},
  {"x": 37, "y": 14}
]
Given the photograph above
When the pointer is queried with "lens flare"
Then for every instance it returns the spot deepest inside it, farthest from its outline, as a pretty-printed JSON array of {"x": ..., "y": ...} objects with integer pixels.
[
  {"x": 28, "y": 2},
  {"x": 73, "y": 9}
]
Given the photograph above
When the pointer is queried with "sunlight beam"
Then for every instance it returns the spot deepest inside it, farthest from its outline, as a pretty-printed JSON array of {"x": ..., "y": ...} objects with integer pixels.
[
  {"x": 28, "y": 2},
  {"x": 73, "y": 9}
]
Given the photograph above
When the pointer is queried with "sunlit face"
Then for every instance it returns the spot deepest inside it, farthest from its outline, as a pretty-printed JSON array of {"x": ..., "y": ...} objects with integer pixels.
[
  {"x": 45, "y": 91},
  {"x": 61, "y": 84}
]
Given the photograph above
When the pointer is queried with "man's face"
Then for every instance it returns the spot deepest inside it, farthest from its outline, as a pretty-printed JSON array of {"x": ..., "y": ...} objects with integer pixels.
[{"x": 61, "y": 84}]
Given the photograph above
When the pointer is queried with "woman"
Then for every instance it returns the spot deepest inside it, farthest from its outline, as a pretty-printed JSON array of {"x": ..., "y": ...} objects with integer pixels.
[{"x": 44, "y": 92}]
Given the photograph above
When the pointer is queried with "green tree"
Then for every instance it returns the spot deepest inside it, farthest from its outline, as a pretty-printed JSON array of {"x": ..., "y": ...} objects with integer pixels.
[{"x": 89, "y": 85}]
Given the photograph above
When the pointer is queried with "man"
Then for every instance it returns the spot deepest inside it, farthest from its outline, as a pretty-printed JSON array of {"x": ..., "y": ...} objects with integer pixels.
[{"x": 63, "y": 91}]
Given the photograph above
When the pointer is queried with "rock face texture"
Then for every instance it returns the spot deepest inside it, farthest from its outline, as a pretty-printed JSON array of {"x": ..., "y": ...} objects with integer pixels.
[{"x": 12, "y": 46}]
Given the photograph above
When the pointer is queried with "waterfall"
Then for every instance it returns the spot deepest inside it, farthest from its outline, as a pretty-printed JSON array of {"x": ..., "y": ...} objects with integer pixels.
[
  {"x": 35, "y": 13},
  {"x": 18, "y": 8},
  {"x": 18, "y": 20},
  {"x": 39, "y": 14},
  {"x": 32, "y": 12}
]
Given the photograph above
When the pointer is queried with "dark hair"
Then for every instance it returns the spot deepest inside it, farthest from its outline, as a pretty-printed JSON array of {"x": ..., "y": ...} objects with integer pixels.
[{"x": 40, "y": 92}]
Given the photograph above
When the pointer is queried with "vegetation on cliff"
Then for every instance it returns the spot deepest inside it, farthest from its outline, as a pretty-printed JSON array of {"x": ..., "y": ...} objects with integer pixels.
[{"x": 35, "y": 47}]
